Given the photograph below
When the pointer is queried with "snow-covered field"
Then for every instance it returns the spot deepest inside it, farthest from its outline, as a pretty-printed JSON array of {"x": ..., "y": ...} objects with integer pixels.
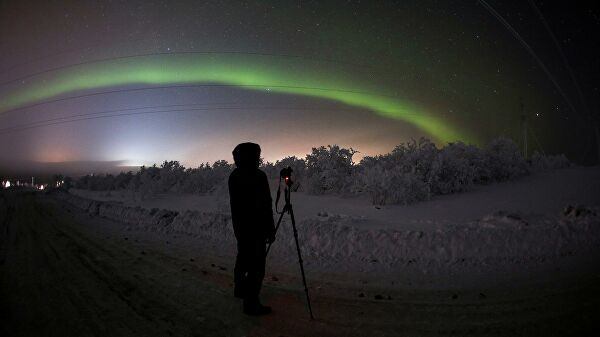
[
  {"x": 491, "y": 233},
  {"x": 509, "y": 259}
]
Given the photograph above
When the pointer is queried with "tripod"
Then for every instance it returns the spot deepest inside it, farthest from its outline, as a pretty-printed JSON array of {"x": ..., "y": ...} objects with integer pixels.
[{"x": 287, "y": 208}]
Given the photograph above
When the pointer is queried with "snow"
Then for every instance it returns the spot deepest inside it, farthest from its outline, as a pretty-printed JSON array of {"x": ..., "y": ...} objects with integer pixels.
[
  {"x": 517, "y": 258},
  {"x": 542, "y": 193},
  {"x": 524, "y": 222}
]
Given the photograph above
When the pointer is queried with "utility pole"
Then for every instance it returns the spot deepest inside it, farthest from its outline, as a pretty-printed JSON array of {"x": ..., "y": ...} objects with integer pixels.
[
  {"x": 597, "y": 132},
  {"x": 524, "y": 125}
]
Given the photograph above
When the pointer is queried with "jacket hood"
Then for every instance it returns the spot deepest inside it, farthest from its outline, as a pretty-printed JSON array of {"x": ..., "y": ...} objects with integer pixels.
[{"x": 246, "y": 155}]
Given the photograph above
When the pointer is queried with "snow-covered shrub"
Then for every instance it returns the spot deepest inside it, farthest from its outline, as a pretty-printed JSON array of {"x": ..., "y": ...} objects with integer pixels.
[
  {"x": 171, "y": 175},
  {"x": 195, "y": 181},
  {"x": 542, "y": 162},
  {"x": 457, "y": 167},
  {"x": 269, "y": 169},
  {"x": 403, "y": 176},
  {"x": 416, "y": 157},
  {"x": 199, "y": 179},
  {"x": 298, "y": 166},
  {"x": 206, "y": 178},
  {"x": 504, "y": 160},
  {"x": 221, "y": 170},
  {"x": 413, "y": 171},
  {"x": 122, "y": 180},
  {"x": 328, "y": 169},
  {"x": 389, "y": 186},
  {"x": 148, "y": 182}
]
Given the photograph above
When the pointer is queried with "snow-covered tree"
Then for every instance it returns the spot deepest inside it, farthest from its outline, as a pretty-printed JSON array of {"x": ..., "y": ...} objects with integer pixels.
[
  {"x": 504, "y": 160},
  {"x": 328, "y": 169}
]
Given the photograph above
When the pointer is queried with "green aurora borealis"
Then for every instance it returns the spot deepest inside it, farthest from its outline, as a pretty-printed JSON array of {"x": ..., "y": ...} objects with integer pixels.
[{"x": 264, "y": 73}]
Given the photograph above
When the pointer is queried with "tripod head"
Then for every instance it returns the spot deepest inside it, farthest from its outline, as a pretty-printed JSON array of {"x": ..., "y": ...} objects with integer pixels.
[{"x": 285, "y": 176}]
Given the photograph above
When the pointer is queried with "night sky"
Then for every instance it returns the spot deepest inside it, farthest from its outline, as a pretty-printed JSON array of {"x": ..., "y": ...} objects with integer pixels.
[{"x": 132, "y": 83}]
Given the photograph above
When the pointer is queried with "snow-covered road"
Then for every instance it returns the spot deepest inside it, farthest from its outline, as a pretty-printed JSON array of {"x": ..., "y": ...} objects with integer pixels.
[{"x": 64, "y": 272}]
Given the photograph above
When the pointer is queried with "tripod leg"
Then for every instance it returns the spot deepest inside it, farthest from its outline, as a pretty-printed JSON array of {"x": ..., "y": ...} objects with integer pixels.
[
  {"x": 300, "y": 260},
  {"x": 277, "y": 227}
]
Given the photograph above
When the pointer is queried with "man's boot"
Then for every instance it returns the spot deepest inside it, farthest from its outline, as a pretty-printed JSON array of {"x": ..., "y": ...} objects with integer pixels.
[{"x": 253, "y": 307}]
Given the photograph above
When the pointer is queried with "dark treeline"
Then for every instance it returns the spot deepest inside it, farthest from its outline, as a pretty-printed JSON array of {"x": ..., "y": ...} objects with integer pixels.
[{"x": 413, "y": 171}]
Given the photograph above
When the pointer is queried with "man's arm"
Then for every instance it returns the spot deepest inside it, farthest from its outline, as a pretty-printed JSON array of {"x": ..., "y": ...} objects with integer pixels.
[{"x": 267, "y": 208}]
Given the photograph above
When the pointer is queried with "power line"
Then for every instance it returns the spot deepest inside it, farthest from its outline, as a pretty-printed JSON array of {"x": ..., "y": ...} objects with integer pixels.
[
  {"x": 381, "y": 70},
  {"x": 562, "y": 55},
  {"x": 109, "y": 59},
  {"x": 110, "y": 111},
  {"x": 212, "y": 85},
  {"x": 531, "y": 52},
  {"x": 537, "y": 140},
  {"x": 107, "y": 114},
  {"x": 573, "y": 78},
  {"x": 88, "y": 47}
]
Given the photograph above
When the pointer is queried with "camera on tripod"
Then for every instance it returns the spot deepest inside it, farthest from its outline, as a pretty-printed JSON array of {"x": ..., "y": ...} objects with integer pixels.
[{"x": 286, "y": 175}]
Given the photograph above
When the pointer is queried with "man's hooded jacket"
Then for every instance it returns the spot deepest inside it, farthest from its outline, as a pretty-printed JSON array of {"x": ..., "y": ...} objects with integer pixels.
[{"x": 250, "y": 197}]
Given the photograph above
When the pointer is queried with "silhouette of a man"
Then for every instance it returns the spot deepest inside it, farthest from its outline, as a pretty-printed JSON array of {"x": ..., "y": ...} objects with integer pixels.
[{"x": 252, "y": 217}]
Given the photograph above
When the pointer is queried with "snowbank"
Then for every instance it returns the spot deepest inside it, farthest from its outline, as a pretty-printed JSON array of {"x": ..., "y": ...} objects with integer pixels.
[{"x": 337, "y": 240}]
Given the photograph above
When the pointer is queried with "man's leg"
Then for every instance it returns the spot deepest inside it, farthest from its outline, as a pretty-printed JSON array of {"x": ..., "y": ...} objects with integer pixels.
[
  {"x": 256, "y": 274},
  {"x": 239, "y": 272}
]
